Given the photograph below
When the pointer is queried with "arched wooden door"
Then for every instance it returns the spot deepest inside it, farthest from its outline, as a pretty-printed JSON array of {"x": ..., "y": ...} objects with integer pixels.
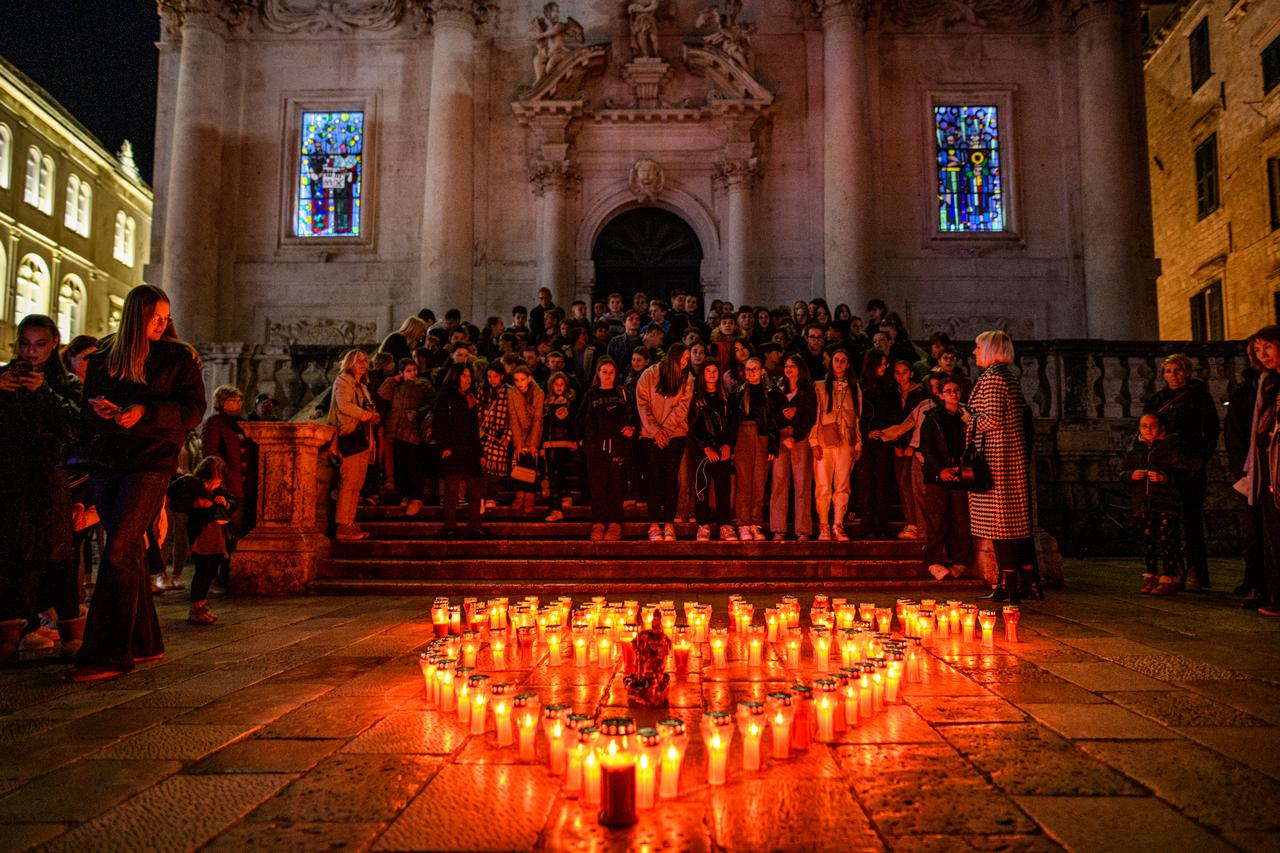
[{"x": 647, "y": 249}]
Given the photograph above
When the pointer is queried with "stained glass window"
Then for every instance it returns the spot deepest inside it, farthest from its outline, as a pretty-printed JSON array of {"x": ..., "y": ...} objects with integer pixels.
[
  {"x": 970, "y": 187},
  {"x": 329, "y": 174}
]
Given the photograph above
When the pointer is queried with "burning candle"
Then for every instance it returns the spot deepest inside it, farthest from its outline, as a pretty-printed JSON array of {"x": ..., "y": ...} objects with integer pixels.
[
  {"x": 681, "y": 646},
  {"x": 604, "y": 646},
  {"x": 526, "y": 714},
  {"x": 866, "y": 692},
  {"x": 791, "y": 606},
  {"x": 674, "y": 740},
  {"x": 966, "y": 626},
  {"x": 553, "y": 725},
  {"x": 884, "y": 618},
  {"x": 925, "y": 623},
  {"x": 867, "y": 612},
  {"x": 781, "y": 716},
  {"x": 913, "y": 661},
  {"x": 581, "y": 742},
  {"x": 1011, "y": 616},
  {"x": 755, "y": 645},
  {"x": 943, "y": 629},
  {"x": 953, "y": 614},
  {"x": 850, "y": 689},
  {"x": 427, "y": 665},
  {"x": 848, "y": 640},
  {"x": 669, "y": 621},
  {"x": 648, "y": 752},
  {"x": 825, "y": 705},
  {"x": 746, "y": 612},
  {"x": 590, "y": 795},
  {"x": 877, "y": 687},
  {"x": 795, "y": 639},
  {"x": 771, "y": 624},
  {"x": 846, "y": 615},
  {"x": 444, "y": 685},
  {"x": 525, "y": 636},
  {"x": 502, "y": 714},
  {"x": 894, "y": 679},
  {"x": 820, "y": 639},
  {"x": 719, "y": 646},
  {"x": 618, "y": 793},
  {"x": 803, "y": 726},
  {"x": 553, "y": 647},
  {"x": 480, "y": 687},
  {"x": 626, "y": 643},
  {"x": 581, "y": 645},
  {"x": 987, "y": 619},
  {"x": 455, "y": 619},
  {"x": 751, "y": 722},
  {"x": 717, "y": 734},
  {"x": 462, "y": 693},
  {"x": 440, "y": 617}
]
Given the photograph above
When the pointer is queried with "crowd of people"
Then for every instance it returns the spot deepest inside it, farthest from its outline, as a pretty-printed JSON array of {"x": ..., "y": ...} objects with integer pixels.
[{"x": 754, "y": 424}]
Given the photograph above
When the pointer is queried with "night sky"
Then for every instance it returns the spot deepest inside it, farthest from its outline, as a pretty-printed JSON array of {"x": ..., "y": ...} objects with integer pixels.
[{"x": 97, "y": 57}]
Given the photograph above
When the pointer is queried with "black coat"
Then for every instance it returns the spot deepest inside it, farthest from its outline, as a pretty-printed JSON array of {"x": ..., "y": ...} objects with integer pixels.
[
  {"x": 183, "y": 494},
  {"x": 1166, "y": 457},
  {"x": 806, "y": 405},
  {"x": 1238, "y": 423},
  {"x": 455, "y": 425},
  {"x": 709, "y": 423},
  {"x": 174, "y": 401},
  {"x": 941, "y": 442},
  {"x": 766, "y": 423},
  {"x": 602, "y": 416},
  {"x": 1190, "y": 418}
]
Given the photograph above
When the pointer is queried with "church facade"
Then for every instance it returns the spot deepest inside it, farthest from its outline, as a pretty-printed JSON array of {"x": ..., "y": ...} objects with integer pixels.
[{"x": 324, "y": 169}]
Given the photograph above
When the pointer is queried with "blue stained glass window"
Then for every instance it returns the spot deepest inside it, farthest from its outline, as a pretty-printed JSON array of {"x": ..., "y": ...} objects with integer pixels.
[
  {"x": 330, "y": 175},
  {"x": 970, "y": 188}
]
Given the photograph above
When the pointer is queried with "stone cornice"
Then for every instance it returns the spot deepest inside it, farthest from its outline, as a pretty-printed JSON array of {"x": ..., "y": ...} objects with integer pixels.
[
  {"x": 974, "y": 14},
  {"x": 553, "y": 175},
  {"x": 737, "y": 173},
  {"x": 829, "y": 11},
  {"x": 292, "y": 16},
  {"x": 464, "y": 13},
  {"x": 216, "y": 15}
]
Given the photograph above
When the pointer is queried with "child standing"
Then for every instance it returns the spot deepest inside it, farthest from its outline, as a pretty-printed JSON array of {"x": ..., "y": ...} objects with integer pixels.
[
  {"x": 558, "y": 443},
  {"x": 1153, "y": 469},
  {"x": 202, "y": 498},
  {"x": 410, "y": 398}
]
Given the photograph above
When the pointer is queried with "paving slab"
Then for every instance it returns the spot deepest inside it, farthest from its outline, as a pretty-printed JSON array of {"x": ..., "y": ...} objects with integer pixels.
[
  {"x": 673, "y": 825},
  {"x": 1030, "y": 759},
  {"x": 965, "y": 709},
  {"x": 1062, "y": 692},
  {"x": 291, "y": 837},
  {"x": 993, "y": 843},
  {"x": 356, "y": 788},
  {"x": 171, "y": 741},
  {"x": 456, "y": 811},
  {"x": 1258, "y": 748},
  {"x": 1120, "y": 824},
  {"x": 267, "y": 755},
  {"x": 1104, "y": 676},
  {"x": 1256, "y": 697},
  {"x": 20, "y": 837},
  {"x": 809, "y": 814},
  {"x": 80, "y": 791},
  {"x": 1184, "y": 708},
  {"x": 1096, "y": 721},
  {"x": 412, "y": 732}
]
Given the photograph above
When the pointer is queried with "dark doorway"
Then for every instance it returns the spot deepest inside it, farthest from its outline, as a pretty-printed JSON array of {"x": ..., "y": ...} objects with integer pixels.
[{"x": 647, "y": 249}]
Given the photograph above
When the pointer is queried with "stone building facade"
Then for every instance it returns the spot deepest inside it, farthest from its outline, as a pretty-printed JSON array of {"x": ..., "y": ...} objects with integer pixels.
[
  {"x": 1213, "y": 121},
  {"x": 469, "y": 152},
  {"x": 75, "y": 221}
]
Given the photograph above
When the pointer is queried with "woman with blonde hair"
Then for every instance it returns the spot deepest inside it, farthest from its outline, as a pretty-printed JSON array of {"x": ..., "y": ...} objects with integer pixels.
[
  {"x": 999, "y": 425},
  {"x": 146, "y": 392},
  {"x": 352, "y": 411},
  {"x": 401, "y": 343}
]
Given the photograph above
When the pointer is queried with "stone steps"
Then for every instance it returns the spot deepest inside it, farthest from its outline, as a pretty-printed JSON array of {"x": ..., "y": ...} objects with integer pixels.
[{"x": 553, "y": 587}]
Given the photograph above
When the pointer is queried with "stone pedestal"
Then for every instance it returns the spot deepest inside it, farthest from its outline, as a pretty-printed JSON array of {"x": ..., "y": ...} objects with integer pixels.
[
  {"x": 647, "y": 75},
  {"x": 280, "y": 555}
]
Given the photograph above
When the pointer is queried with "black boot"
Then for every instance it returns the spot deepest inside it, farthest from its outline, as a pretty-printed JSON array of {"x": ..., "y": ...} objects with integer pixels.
[{"x": 1000, "y": 591}]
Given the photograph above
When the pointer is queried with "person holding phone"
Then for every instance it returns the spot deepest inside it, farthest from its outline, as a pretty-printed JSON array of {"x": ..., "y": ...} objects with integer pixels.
[{"x": 144, "y": 393}]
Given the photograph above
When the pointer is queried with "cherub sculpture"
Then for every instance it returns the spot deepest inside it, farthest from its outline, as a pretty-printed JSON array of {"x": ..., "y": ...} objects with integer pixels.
[
  {"x": 644, "y": 28},
  {"x": 551, "y": 36},
  {"x": 648, "y": 685},
  {"x": 732, "y": 38}
]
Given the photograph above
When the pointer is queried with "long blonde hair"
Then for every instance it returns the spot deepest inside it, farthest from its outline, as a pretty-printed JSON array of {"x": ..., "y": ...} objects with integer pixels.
[{"x": 128, "y": 348}]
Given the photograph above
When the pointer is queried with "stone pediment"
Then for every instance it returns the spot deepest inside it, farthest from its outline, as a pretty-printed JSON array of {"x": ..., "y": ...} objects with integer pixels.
[
  {"x": 565, "y": 80},
  {"x": 729, "y": 80}
]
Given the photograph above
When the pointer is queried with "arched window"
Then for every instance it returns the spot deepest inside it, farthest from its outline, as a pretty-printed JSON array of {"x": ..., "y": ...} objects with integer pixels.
[
  {"x": 126, "y": 234},
  {"x": 46, "y": 184},
  {"x": 31, "y": 180},
  {"x": 84, "y": 207},
  {"x": 6, "y": 155},
  {"x": 115, "y": 314},
  {"x": 70, "y": 307},
  {"x": 4, "y": 277},
  {"x": 32, "y": 295},
  {"x": 71, "y": 217}
]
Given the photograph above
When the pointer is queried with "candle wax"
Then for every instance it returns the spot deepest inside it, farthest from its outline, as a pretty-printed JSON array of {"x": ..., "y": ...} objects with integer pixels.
[
  {"x": 671, "y": 772},
  {"x": 618, "y": 793},
  {"x": 717, "y": 760}
]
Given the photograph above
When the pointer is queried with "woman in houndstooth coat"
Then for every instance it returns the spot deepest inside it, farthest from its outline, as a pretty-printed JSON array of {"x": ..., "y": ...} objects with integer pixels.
[{"x": 997, "y": 424}]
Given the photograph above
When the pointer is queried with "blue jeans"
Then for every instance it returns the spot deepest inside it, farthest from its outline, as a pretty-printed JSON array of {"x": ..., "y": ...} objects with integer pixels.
[{"x": 122, "y": 619}]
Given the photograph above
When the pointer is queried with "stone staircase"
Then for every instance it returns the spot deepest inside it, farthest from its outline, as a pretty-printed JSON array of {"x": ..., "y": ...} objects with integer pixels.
[{"x": 408, "y": 556}]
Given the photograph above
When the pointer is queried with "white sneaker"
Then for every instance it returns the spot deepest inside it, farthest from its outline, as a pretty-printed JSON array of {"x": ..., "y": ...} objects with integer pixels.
[
  {"x": 840, "y": 533},
  {"x": 726, "y": 533},
  {"x": 958, "y": 570},
  {"x": 35, "y": 642},
  {"x": 744, "y": 533},
  {"x": 757, "y": 533},
  {"x": 824, "y": 533},
  {"x": 910, "y": 532},
  {"x": 555, "y": 515},
  {"x": 939, "y": 571},
  {"x": 655, "y": 533},
  {"x": 414, "y": 507},
  {"x": 910, "y": 528},
  {"x": 668, "y": 533},
  {"x": 704, "y": 532}
]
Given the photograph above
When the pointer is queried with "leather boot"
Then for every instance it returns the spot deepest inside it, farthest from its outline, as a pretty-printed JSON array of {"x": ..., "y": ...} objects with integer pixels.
[
  {"x": 71, "y": 632},
  {"x": 10, "y": 637}
]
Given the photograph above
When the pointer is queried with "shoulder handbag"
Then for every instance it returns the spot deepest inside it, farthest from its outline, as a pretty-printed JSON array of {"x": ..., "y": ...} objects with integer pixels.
[
  {"x": 356, "y": 441},
  {"x": 525, "y": 469},
  {"x": 975, "y": 473}
]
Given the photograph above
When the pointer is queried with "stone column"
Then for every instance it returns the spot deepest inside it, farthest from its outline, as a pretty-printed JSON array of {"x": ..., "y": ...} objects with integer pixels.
[
  {"x": 281, "y": 555},
  {"x": 846, "y": 167},
  {"x": 448, "y": 192},
  {"x": 194, "y": 181},
  {"x": 1110, "y": 214},
  {"x": 737, "y": 177},
  {"x": 553, "y": 181}
]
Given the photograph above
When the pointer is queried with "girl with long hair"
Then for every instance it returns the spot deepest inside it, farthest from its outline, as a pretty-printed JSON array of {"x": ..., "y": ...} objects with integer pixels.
[
  {"x": 558, "y": 443},
  {"x": 145, "y": 393},
  {"x": 795, "y": 408},
  {"x": 352, "y": 411},
  {"x": 455, "y": 424},
  {"x": 836, "y": 443},
  {"x": 524, "y": 408},
  {"x": 662, "y": 397},
  {"x": 880, "y": 410},
  {"x": 495, "y": 432},
  {"x": 712, "y": 454},
  {"x": 755, "y": 444},
  {"x": 607, "y": 422}
]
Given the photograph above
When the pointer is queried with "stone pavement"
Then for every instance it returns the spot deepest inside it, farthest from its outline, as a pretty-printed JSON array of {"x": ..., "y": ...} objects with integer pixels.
[{"x": 1118, "y": 723}]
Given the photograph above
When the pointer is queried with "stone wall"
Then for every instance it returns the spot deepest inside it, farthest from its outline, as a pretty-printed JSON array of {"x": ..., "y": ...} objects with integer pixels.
[{"x": 1085, "y": 396}]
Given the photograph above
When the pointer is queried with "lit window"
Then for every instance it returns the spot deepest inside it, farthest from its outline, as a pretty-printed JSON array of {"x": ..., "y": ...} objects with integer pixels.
[
  {"x": 330, "y": 165},
  {"x": 70, "y": 308},
  {"x": 6, "y": 155},
  {"x": 1206, "y": 314},
  {"x": 32, "y": 296},
  {"x": 84, "y": 207},
  {"x": 71, "y": 216},
  {"x": 47, "y": 170},
  {"x": 126, "y": 232},
  {"x": 31, "y": 180},
  {"x": 970, "y": 197}
]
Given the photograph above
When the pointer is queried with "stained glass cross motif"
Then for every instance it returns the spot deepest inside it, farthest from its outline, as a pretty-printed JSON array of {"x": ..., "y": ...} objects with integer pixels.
[
  {"x": 970, "y": 186},
  {"x": 330, "y": 179}
]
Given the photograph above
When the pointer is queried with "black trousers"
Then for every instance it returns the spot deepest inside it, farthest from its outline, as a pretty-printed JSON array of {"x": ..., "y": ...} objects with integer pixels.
[
  {"x": 410, "y": 470},
  {"x": 607, "y": 477},
  {"x": 712, "y": 482},
  {"x": 122, "y": 621},
  {"x": 475, "y": 499},
  {"x": 206, "y": 570},
  {"x": 558, "y": 460},
  {"x": 1193, "y": 492},
  {"x": 1270, "y": 532},
  {"x": 875, "y": 487},
  {"x": 1162, "y": 545},
  {"x": 947, "y": 540},
  {"x": 1255, "y": 575},
  {"x": 662, "y": 465}
]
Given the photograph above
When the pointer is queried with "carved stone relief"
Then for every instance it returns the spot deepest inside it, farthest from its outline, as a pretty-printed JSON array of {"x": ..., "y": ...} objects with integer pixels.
[
  {"x": 321, "y": 332},
  {"x": 1018, "y": 328},
  {"x": 647, "y": 180},
  {"x": 973, "y": 13},
  {"x": 313, "y": 16}
]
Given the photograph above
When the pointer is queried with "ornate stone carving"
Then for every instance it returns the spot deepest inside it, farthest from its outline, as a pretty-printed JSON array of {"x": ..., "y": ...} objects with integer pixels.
[
  {"x": 830, "y": 10},
  {"x": 730, "y": 37},
  {"x": 175, "y": 14},
  {"x": 471, "y": 13},
  {"x": 642, "y": 17},
  {"x": 550, "y": 38},
  {"x": 647, "y": 76},
  {"x": 736, "y": 172},
  {"x": 344, "y": 16},
  {"x": 321, "y": 332},
  {"x": 972, "y": 13},
  {"x": 1018, "y": 328},
  {"x": 553, "y": 175},
  {"x": 647, "y": 180}
]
